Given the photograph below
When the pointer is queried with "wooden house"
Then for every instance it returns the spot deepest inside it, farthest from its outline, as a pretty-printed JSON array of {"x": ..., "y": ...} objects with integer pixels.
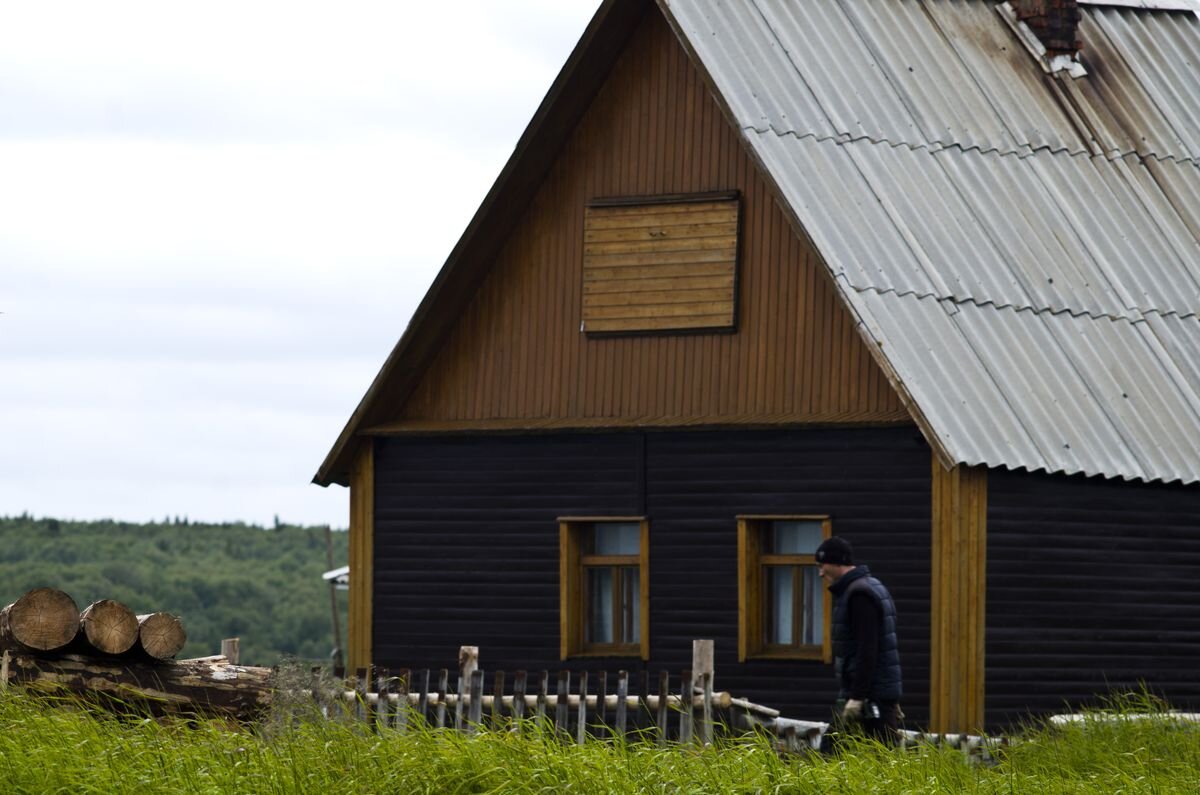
[{"x": 918, "y": 273}]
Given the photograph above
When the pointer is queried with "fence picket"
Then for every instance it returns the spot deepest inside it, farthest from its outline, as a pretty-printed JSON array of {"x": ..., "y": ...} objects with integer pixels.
[
  {"x": 543, "y": 689},
  {"x": 461, "y": 703},
  {"x": 403, "y": 712},
  {"x": 440, "y": 710},
  {"x": 518, "y": 710},
  {"x": 498, "y": 699},
  {"x": 601, "y": 705},
  {"x": 561, "y": 715},
  {"x": 423, "y": 696},
  {"x": 581, "y": 718},
  {"x": 706, "y": 715},
  {"x": 383, "y": 703},
  {"x": 475, "y": 714},
  {"x": 622, "y": 695},
  {"x": 685, "y": 707},
  {"x": 664, "y": 690},
  {"x": 392, "y": 703},
  {"x": 644, "y": 716}
]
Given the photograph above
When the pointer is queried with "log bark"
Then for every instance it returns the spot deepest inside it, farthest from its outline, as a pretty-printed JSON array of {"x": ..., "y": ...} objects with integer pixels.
[
  {"x": 161, "y": 635},
  {"x": 108, "y": 627},
  {"x": 44, "y": 619},
  {"x": 208, "y": 686}
]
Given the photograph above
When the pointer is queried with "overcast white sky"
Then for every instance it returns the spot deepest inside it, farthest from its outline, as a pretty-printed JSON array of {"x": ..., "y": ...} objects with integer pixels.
[{"x": 215, "y": 221}]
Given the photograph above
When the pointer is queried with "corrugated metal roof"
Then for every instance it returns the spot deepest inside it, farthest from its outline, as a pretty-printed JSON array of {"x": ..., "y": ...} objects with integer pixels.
[
  {"x": 950, "y": 73},
  {"x": 1024, "y": 249},
  {"x": 1041, "y": 391}
]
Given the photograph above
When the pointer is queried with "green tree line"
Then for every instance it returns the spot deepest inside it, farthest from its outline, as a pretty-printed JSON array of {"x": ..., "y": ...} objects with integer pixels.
[{"x": 224, "y": 580}]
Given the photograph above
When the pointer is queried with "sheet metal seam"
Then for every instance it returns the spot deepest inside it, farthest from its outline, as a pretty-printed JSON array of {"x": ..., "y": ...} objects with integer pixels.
[
  {"x": 966, "y": 69},
  {"x": 1040, "y": 311},
  {"x": 795, "y": 67},
  {"x": 1022, "y": 152},
  {"x": 943, "y": 292},
  {"x": 884, "y": 70}
]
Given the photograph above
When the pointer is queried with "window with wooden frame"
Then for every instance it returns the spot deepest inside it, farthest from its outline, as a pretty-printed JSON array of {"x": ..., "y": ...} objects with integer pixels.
[
  {"x": 783, "y": 607},
  {"x": 664, "y": 264},
  {"x": 604, "y": 586}
]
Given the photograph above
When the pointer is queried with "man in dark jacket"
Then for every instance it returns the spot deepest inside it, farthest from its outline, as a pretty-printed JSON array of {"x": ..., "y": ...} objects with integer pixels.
[{"x": 866, "y": 654}]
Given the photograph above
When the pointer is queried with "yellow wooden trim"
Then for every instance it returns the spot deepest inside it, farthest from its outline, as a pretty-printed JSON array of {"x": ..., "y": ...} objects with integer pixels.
[
  {"x": 958, "y": 588},
  {"x": 644, "y": 596},
  {"x": 790, "y": 517},
  {"x": 611, "y": 560},
  {"x": 774, "y": 559},
  {"x": 883, "y": 419},
  {"x": 797, "y": 653},
  {"x": 750, "y": 606},
  {"x": 565, "y": 603},
  {"x": 362, "y": 558},
  {"x": 747, "y": 583},
  {"x": 562, "y": 519},
  {"x": 827, "y": 641},
  {"x": 570, "y": 587}
]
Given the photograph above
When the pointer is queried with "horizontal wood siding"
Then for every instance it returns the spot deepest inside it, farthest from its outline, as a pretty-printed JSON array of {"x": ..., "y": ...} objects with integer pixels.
[
  {"x": 873, "y": 484},
  {"x": 467, "y": 541},
  {"x": 660, "y": 267},
  {"x": 1092, "y": 585},
  {"x": 517, "y": 354}
]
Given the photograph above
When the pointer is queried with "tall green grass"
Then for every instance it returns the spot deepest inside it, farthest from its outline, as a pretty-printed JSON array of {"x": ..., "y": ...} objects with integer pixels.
[{"x": 49, "y": 746}]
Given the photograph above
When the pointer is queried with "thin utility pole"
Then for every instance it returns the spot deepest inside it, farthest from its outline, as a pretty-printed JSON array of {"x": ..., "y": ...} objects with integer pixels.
[{"x": 337, "y": 628}]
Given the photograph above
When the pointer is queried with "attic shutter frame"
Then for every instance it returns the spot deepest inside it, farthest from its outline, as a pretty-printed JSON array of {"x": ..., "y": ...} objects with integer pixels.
[{"x": 664, "y": 264}]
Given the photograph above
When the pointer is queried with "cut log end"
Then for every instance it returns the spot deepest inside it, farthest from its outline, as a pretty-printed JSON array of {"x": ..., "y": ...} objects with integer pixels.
[
  {"x": 109, "y": 626},
  {"x": 161, "y": 635},
  {"x": 44, "y": 619}
]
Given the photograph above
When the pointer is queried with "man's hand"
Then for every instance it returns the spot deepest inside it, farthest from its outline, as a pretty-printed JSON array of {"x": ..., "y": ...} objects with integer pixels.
[{"x": 853, "y": 709}]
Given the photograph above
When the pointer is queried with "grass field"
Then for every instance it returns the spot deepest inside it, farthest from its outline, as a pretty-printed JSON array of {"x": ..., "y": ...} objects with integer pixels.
[{"x": 51, "y": 746}]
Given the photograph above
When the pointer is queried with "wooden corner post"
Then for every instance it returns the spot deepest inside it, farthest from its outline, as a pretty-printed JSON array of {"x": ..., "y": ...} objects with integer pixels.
[
  {"x": 957, "y": 598},
  {"x": 362, "y": 557}
]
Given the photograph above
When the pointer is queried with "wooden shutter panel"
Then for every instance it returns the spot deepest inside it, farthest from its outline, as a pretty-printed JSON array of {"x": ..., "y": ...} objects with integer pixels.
[{"x": 660, "y": 265}]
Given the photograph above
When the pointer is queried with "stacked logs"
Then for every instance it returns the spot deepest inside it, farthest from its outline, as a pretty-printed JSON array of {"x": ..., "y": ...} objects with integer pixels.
[
  {"x": 107, "y": 649},
  {"x": 47, "y": 620}
]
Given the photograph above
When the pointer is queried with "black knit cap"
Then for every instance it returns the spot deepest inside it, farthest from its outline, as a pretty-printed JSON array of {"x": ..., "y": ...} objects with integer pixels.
[{"x": 836, "y": 551}]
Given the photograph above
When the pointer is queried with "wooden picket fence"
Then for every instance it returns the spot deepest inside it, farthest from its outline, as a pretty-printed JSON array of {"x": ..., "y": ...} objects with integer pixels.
[{"x": 577, "y": 706}]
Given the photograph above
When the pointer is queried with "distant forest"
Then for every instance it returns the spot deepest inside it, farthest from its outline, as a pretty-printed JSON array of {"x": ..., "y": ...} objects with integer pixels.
[{"x": 224, "y": 580}]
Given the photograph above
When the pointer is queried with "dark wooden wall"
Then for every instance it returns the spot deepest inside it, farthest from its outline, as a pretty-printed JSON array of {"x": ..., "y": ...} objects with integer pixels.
[
  {"x": 517, "y": 358},
  {"x": 466, "y": 541},
  {"x": 1092, "y": 585}
]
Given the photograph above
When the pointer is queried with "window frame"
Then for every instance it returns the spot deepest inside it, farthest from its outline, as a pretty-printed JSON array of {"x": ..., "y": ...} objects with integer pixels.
[
  {"x": 752, "y": 603},
  {"x": 572, "y": 578}
]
